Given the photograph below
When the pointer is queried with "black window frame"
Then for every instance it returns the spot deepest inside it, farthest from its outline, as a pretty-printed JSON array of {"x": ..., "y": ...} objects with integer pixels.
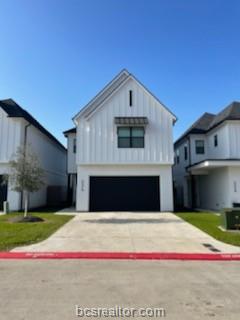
[
  {"x": 200, "y": 149},
  {"x": 177, "y": 156},
  {"x": 74, "y": 145},
  {"x": 131, "y": 138},
  {"x": 215, "y": 140},
  {"x": 185, "y": 152}
]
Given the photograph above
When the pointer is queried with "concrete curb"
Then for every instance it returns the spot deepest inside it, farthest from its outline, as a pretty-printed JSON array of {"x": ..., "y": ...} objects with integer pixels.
[{"x": 122, "y": 256}]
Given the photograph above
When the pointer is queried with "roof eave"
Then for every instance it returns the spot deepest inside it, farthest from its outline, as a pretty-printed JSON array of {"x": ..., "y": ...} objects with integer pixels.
[{"x": 98, "y": 95}]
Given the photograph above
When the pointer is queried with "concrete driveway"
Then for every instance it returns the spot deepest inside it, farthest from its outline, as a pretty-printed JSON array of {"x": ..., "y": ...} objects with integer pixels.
[{"x": 129, "y": 232}]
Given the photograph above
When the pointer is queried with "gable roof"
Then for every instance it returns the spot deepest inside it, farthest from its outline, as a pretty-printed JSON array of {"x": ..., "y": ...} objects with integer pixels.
[
  {"x": 73, "y": 130},
  {"x": 108, "y": 90},
  {"x": 13, "y": 110},
  {"x": 208, "y": 121},
  {"x": 199, "y": 127},
  {"x": 231, "y": 112}
]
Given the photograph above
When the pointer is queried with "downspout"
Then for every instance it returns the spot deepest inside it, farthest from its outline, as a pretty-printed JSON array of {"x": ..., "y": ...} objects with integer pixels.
[{"x": 24, "y": 150}]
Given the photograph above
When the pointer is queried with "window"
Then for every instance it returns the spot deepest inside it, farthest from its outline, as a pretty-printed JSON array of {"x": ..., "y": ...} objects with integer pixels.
[
  {"x": 215, "y": 140},
  {"x": 130, "y": 98},
  {"x": 130, "y": 137},
  {"x": 235, "y": 186},
  {"x": 199, "y": 144},
  {"x": 74, "y": 145},
  {"x": 185, "y": 153},
  {"x": 177, "y": 156}
]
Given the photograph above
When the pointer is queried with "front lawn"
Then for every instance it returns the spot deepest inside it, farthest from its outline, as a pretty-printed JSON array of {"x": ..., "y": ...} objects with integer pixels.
[
  {"x": 20, "y": 234},
  {"x": 209, "y": 223}
]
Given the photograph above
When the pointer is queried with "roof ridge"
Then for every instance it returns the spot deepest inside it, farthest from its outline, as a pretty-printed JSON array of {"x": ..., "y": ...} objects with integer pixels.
[
  {"x": 113, "y": 85},
  {"x": 194, "y": 127},
  {"x": 103, "y": 90},
  {"x": 230, "y": 112}
]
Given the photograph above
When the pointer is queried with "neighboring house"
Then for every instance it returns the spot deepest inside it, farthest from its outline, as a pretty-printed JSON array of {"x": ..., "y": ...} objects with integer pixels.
[
  {"x": 207, "y": 162},
  {"x": 124, "y": 150},
  {"x": 71, "y": 164},
  {"x": 19, "y": 129}
]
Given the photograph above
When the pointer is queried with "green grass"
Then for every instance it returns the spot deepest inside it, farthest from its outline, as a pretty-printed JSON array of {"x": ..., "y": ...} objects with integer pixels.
[
  {"x": 209, "y": 222},
  {"x": 19, "y": 234}
]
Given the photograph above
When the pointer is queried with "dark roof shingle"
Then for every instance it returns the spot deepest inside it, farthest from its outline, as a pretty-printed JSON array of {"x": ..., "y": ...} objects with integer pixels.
[
  {"x": 13, "y": 110},
  {"x": 209, "y": 121},
  {"x": 200, "y": 126},
  {"x": 231, "y": 112},
  {"x": 73, "y": 130}
]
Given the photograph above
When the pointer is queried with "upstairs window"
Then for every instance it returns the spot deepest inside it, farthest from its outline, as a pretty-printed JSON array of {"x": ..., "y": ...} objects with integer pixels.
[
  {"x": 185, "y": 153},
  {"x": 74, "y": 145},
  {"x": 215, "y": 140},
  {"x": 177, "y": 156},
  {"x": 199, "y": 146},
  {"x": 130, "y": 137}
]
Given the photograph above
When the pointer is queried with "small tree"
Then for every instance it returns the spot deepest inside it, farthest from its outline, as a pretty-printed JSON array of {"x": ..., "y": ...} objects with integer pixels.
[{"x": 25, "y": 174}]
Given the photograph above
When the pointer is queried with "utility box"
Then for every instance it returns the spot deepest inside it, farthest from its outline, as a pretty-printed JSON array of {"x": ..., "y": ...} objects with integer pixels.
[{"x": 230, "y": 218}]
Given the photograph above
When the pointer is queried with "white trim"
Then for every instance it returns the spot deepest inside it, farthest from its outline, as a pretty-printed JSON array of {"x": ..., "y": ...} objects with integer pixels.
[
  {"x": 92, "y": 112},
  {"x": 107, "y": 87},
  {"x": 208, "y": 164},
  {"x": 125, "y": 163},
  {"x": 90, "y": 103},
  {"x": 149, "y": 93}
]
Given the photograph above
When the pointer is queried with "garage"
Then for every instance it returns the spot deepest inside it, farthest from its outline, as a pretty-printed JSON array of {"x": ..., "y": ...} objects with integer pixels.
[{"x": 140, "y": 193}]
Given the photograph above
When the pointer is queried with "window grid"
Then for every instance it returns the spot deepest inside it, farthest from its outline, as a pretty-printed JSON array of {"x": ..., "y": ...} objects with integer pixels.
[
  {"x": 177, "y": 157},
  {"x": 131, "y": 139},
  {"x": 74, "y": 145},
  {"x": 185, "y": 153},
  {"x": 199, "y": 146}
]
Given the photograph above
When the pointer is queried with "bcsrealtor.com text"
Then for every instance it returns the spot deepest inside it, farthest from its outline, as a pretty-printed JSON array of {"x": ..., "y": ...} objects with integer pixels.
[{"x": 119, "y": 312}]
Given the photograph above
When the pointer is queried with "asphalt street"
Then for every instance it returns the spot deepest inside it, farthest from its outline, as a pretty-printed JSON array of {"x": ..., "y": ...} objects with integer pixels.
[{"x": 51, "y": 289}]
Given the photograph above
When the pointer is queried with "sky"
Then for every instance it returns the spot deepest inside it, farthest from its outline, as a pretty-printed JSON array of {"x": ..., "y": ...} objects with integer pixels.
[{"x": 55, "y": 55}]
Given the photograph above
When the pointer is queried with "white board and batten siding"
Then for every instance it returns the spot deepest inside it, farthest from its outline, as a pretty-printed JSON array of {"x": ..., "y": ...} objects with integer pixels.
[
  {"x": 53, "y": 160},
  {"x": 97, "y": 142},
  {"x": 11, "y": 135},
  {"x": 51, "y": 156},
  {"x": 97, "y": 135}
]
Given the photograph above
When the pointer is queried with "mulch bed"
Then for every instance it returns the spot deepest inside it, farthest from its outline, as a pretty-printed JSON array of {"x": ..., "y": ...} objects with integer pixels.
[{"x": 29, "y": 218}]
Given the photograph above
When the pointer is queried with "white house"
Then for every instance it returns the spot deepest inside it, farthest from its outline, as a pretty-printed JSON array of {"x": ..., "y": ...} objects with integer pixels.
[
  {"x": 207, "y": 162},
  {"x": 124, "y": 150},
  {"x": 19, "y": 129}
]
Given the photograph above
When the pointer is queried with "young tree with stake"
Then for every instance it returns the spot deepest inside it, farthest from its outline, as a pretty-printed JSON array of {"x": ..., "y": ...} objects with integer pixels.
[{"x": 25, "y": 174}]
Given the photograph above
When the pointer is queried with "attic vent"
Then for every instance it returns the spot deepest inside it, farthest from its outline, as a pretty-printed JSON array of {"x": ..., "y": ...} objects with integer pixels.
[{"x": 130, "y": 98}]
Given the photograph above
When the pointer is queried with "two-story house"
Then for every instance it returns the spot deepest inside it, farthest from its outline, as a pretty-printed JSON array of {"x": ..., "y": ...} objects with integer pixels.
[
  {"x": 207, "y": 162},
  {"x": 124, "y": 150},
  {"x": 19, "y": 129}
]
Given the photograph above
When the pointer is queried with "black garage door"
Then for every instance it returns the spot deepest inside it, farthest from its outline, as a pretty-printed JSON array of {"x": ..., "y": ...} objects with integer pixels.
[{"x": 124, "y": 194}]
